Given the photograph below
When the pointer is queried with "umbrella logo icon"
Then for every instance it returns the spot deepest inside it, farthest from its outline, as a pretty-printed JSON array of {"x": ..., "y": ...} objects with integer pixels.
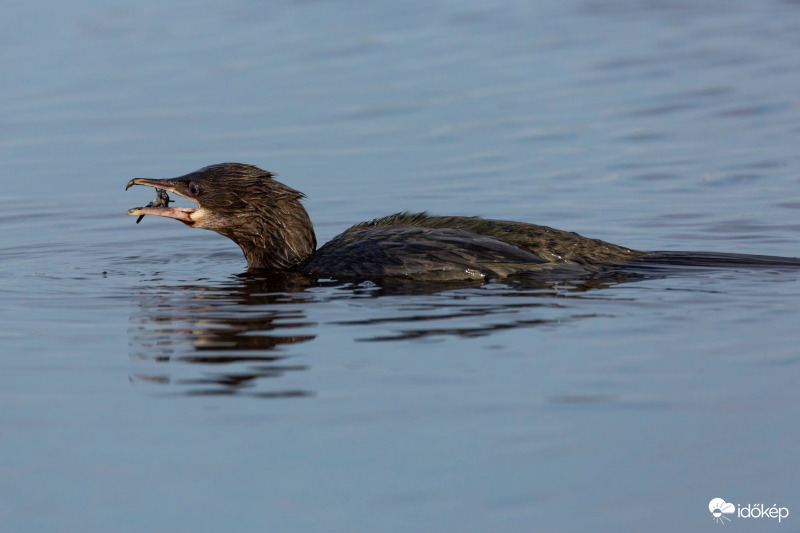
[{"x": 719, "y": 508}]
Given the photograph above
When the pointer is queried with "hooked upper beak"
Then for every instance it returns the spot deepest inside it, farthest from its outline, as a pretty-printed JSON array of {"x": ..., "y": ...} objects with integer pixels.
[{"x": 184, "y": 214}]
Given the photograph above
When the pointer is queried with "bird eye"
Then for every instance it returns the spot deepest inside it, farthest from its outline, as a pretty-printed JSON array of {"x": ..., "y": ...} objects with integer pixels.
[{"x": 193, "y": 188}]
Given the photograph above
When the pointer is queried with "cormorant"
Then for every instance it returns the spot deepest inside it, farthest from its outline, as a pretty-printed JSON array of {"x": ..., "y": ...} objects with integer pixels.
[{"x": 266, "y": 219}]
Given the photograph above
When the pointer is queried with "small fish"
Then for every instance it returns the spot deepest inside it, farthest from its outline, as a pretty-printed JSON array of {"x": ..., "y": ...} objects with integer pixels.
[{"x": 161, "y": 200}]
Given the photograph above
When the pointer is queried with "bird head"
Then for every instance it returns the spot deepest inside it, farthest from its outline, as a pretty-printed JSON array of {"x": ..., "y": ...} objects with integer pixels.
[{"x": 247, "y": 205}]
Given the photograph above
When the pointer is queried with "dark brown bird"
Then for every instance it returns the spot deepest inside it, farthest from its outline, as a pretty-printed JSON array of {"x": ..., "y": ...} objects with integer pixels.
[{"x": 266, "y": 219}]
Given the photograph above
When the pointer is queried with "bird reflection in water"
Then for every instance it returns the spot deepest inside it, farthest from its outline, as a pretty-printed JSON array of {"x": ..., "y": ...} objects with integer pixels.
[
  {"x": 235, "y": 331},
  {"x": 481, "y": 310},
  {"x": 239, "y": 333}
]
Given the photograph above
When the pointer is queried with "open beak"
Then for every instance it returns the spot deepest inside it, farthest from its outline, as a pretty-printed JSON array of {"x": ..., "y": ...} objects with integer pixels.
[{"x": 184, "y": 214}]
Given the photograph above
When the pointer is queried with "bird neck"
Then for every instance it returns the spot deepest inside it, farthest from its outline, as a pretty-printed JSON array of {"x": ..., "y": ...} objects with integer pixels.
[{"x": 279, "y": 239}]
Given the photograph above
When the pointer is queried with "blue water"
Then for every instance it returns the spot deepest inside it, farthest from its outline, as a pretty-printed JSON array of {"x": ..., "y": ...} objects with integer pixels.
[{"x": 147, "y": 385}]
